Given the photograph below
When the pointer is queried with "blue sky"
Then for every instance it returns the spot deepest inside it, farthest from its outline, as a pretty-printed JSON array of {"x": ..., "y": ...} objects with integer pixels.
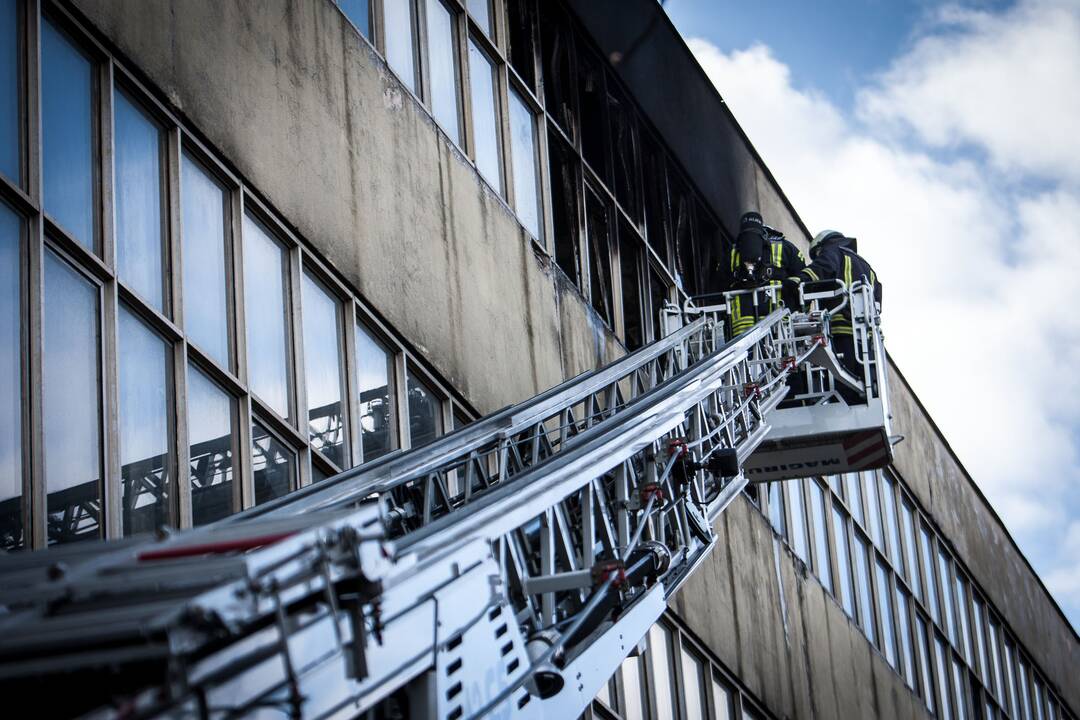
[{"x": 942, "y": 135}]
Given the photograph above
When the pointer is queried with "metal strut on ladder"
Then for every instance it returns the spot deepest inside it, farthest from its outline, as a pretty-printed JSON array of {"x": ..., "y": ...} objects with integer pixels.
[{"x": 506, "y": 568}]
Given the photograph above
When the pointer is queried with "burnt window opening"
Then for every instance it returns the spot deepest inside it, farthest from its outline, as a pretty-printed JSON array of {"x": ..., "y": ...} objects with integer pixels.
[
  {"x": 631, "y": 254},
  {"x": 592, "y": 92},
  {"x": 521, "y": 23},
  {"x": 657, "y": 209},
  {"x": 598, "y": 224},
  {"x": 710, "y": 245},
  {"x": 659, "y": 292},
  {"x": 565, "y": 190},
  {"x": 556, "y": 40},
  {"x": 624, "y": 140},
  {"x": 686, "y": 261}
]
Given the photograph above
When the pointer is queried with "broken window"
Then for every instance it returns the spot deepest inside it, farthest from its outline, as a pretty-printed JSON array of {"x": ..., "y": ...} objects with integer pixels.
[
  {"x": 565, "y": 190},
  {"x": 630, "y": 263},
  {"x": 686, "y": 265},
  {"x": 659, "y": 292},
  {"x": 521, "y": 26},
  {"x": 598, "y": 225},
  {"x": 624, "y": 139},
  {"x": 594, "y": 133},
  {"x": 709, "y": 244},
  {"x": 556, "y": 40},
  {"x": 654, "y": 172}
]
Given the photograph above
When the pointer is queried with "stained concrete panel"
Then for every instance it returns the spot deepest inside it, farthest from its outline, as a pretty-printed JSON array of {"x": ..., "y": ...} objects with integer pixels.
[
  {"x": 308, "y": 114},
  {"x": 942, "y": 486}
]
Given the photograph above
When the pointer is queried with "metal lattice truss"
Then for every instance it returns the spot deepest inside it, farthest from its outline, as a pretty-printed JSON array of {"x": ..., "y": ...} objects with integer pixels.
[{"x": 508, "y": 566}]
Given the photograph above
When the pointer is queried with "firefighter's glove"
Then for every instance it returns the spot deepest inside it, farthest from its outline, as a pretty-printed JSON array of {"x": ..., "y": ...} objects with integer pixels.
[{"x": 789, "y": 292}]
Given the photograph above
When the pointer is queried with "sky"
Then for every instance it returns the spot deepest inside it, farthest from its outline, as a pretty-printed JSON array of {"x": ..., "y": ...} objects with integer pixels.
[{"x": 943, "y": 135}]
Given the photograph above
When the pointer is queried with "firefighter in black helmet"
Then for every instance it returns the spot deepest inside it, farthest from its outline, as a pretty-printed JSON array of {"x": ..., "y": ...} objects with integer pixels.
[
  {"x": 833, "y": 256},
  {"x": 761, "y": 256}
]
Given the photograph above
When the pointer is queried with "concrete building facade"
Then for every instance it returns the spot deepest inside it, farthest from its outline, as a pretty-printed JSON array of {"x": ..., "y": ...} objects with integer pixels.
[{"x": 249, "y": 245}]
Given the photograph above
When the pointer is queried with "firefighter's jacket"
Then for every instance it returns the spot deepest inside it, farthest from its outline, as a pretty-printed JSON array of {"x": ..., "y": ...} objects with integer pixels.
[
  {"x": 838, "y": 261},
  {"x": 783, "y": 260}
]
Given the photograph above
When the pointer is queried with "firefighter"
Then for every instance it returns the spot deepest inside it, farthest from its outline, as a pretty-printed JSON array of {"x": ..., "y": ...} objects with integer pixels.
[
  {"x": 833, "y": 256},
  {"x": 761, "y": 256}
]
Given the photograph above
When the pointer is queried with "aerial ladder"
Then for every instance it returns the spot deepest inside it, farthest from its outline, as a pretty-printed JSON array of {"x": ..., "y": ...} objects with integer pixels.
[{"x": 504, "y": 570}]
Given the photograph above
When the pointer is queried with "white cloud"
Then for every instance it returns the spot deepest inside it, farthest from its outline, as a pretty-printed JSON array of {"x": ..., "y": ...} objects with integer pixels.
[
  {"x": 980, "y": 266},
  {"x": 1003, "y": 81}
]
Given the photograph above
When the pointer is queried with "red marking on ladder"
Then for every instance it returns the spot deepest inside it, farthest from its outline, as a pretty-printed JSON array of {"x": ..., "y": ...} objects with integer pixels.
[
  {"x": 214, "y": 548},
  {"x": 877, "y": 448},
  {"x": 852, "y": 441},
  {"x": 752, "y": 390}
]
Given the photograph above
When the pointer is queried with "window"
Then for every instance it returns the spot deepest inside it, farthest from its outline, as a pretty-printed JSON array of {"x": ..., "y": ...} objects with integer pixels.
[
  {"x": 888, "y": 497},
  {"x": 592, "y": 93},
  {"x": 322, "y": 368},
  {"x": 10, "y": 97},
  {"x": 11, "y": 358},
  {"x": 978, "y": 612},
  {"x": 204, "y": 206},
  {"x": 799, "y": 541},
  {"x": 693, "y": 680},
  {"x": 273, "y": 465},
  {"x": 885, "y": 614},
  {"x": 821, "y": 535},
  {"x": 140, "y": 216},
  {"x": 944, "y": 563},
  {"x": 907, "y": 654},
  {"x": 485, "y": 116},
  {"x": 400, "y": 40},
  {"x": 565, "y": 190},
  {"x": 942, "y": 670},
  {"x": 722, "y": 705},
  {"x": 630, "y": 259},
  {"x": 959, "y": 689},
  {"x": 521, "y": 24},
  {"x": 659, "y": 294},
  {"x": 266, "y": 282},
  {"x": 425, "y": 412},
  {"x": 67, "y": 131},
  {"x": 375, "y": 403},
  {"x": 145, "y": 459},
  {"x": 873, "y": 509},
  {"x": 994, "y": 632},
  {"x": 359, "y": 13},
  {"x": 634, "y": 702},
  {"x": 854, "y": 496},
  {"x": 961, "y": 586},
  {"x": 1010, "y": 653},
  {"x": 843, "y": 561},
  {"x": 597, "y": 220},
  {"x": 72, "y": 402},
  {"x": 211, "y": 417},
  {"x": 907, "y": 517},
  {"x": 624, "y": 139},
  {"x": 523, "y": 156},
  {"x": 925, "y": 671},
  {"x": 557, "y": 39},
  {"x": 928, "y": 573},
  {"x": 481, "y": 13},
  {"x": 865, "y": 581},
  {"x": 776, "y": 508},
  {"x": 1022, "y": 686},
  {"x": 661, "y": 670},
  {"x": 442, "y": 68}
]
